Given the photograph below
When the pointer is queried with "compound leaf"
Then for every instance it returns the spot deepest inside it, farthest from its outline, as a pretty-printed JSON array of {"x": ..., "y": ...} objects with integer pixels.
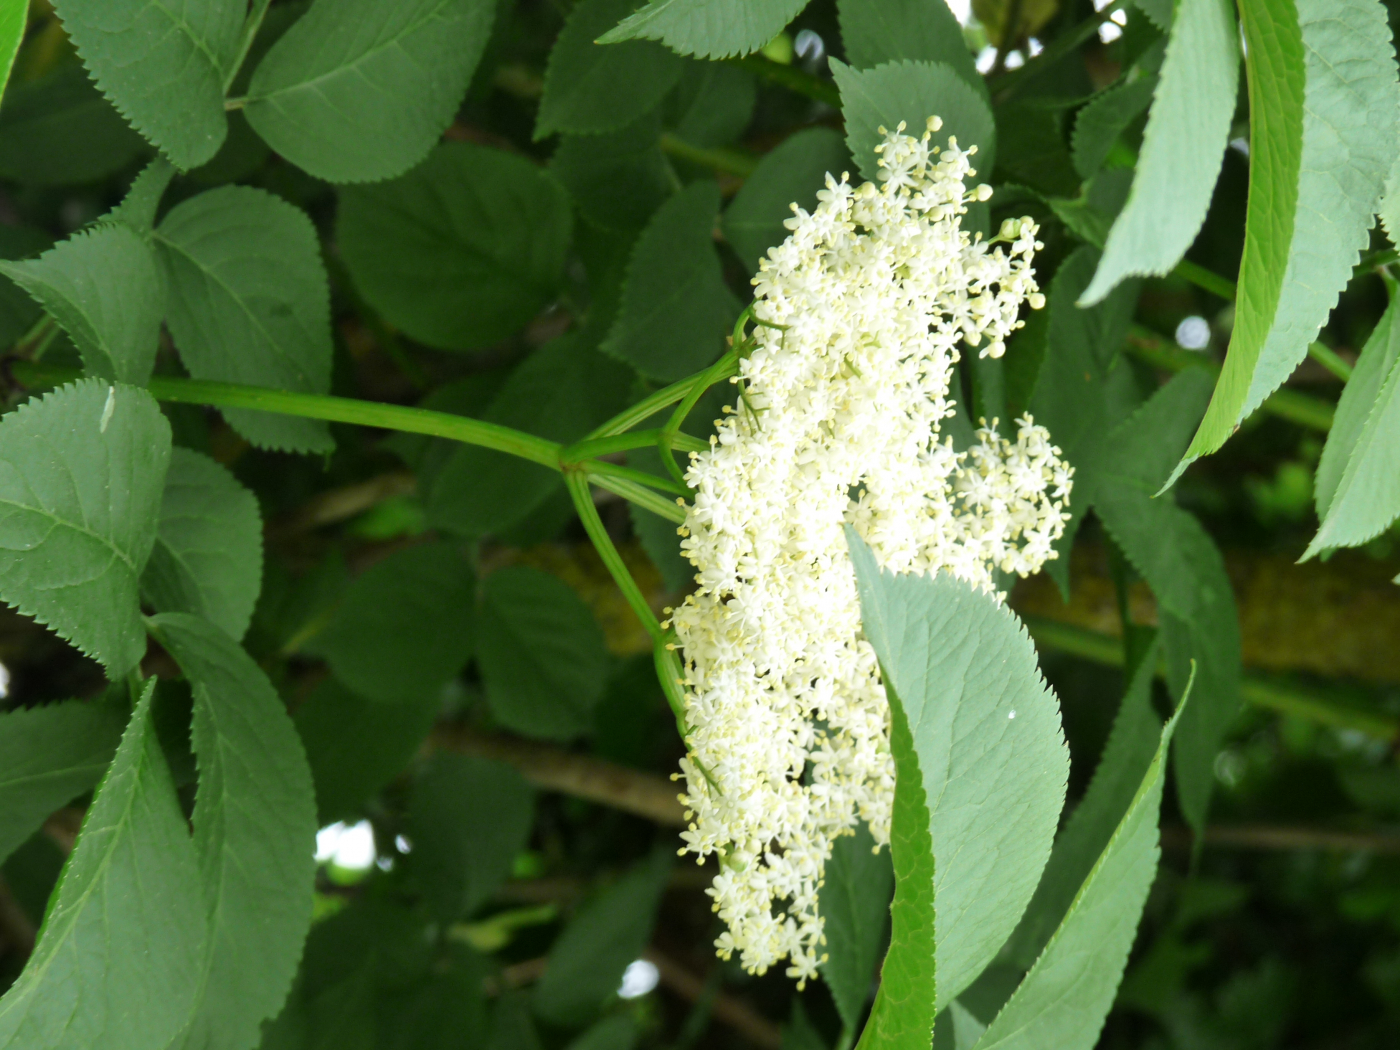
[
  {"x": 1182, "y": 148},
  {"x": 49, "y": 756},
  {"x": 130, "y": 890},
  {"x": 909, "y": 93},
  {"x": 360, "y": 90},
  {"x": 676, "y": 308},
  {"x": 708, "y": 28},
  {"x": 207, "y": 558},
  {"x": 790, "y": 174},
  {"x": 1322, "y": 139},
  {"x": 250, "y": 303},
  {"x": 469, "y": 818},
  {"x": 1357, "y": 494},
  {"x": 463, "y": 250},
  {"x": 81, "y": 473},
  {"x": 541, "y": 654},
  {"x": 431, "y": 586},
  {"x": 591, "y": 88},
  {"x": 162, "y": 65},
  {"x": 991, "y": 751},
  {"x": 104, "y": 289},
  {"x": 254, "y": 833}
]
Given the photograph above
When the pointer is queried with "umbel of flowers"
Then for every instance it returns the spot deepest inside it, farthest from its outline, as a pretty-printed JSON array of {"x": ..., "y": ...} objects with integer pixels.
[{"x": 862, "y": 312}]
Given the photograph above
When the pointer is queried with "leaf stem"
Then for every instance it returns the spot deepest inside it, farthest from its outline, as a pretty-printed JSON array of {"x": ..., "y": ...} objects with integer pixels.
[
  {"x": 632, "y": 439},
  {"x": 729, "y": 161},
  {"x": 251, "y": 25},
  {"x": 602, "y": 468},
  {"x": 642, "y": 496},
  {"x": 1206, "y": 280},
  {"x": 726, "y": 366},
  {"x": 1330, "y": 360},
  {"x": 577, "y": 483},
  {"x": 793, "y": 78}
]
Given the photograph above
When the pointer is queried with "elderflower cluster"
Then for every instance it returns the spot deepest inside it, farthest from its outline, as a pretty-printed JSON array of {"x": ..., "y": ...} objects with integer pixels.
[{"x": 860, "y": 312}]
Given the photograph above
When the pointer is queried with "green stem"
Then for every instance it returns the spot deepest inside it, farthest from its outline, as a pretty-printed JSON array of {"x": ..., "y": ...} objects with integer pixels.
[
  {"x": 1329, "y": 359},
  {"x": 577, "y": 483},
  {"x": 245, "y": 39},
  {"x": 644, "y": 409},
  {"x": 647, "y": 499},
  {"x": 729, "y": 161},
  {"x": 1205, "y": 279},
  {"x": 792, "y": 78},
  {"x": 633, "y": 439},
  {"x": 1270, "y": 693},
  {"x": 601, "y": 468},
  {"x": 726, "y": 366}
]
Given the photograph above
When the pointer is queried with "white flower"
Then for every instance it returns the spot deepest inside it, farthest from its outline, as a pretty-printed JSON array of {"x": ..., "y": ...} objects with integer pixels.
[{"x": 862, "y": 311}]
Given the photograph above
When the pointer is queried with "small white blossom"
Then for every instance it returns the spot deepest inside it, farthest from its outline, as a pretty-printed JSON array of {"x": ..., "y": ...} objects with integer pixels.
[{"x": 862, "y": 311}]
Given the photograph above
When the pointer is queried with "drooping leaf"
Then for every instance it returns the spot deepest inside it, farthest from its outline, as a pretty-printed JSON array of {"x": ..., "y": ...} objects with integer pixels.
[
  {"x": 365, "y": 643},
  {"x": 590, "y": 87},
  {"x": 81, "y": 473},
  {"x": 250, "y": 303},
  {"x": 1357, "y": 493},
  {"x": 712, "y": 103},
  {"x": 49, "y": 756},
  {"x": 104, "y": 289},
  {"x": 358, "y": 90},
  {"x": 541, "y": 654},
  {"x": 207, "y": 558},
  {"x": 991, "y": 752},
  {"x": 1182, "y": 148},
  {"x": 617, "y": 179},
  {"x": 468, "y": 819},
  {"x": 1067, "y": 994},
  {"x": 1131, "y": 744},
  {"x": 790, "y": 174},
  {"x": 356, "y": 746},
  {"x": 707, "y": 28},
  {"x": 59, "y": 131},
  {"x": 676, "y": 308},
  {"x": 461, "y": 251},
  {"x": 855, "y": 904},
  {"x": 909, "y": 93},
  {"x": 1320, "y": 151},
  {"x": 561, "y": 392},
  {"x": 130, "y": 890},
  {"x": 1106, "y": 116},
  {"x": 162, "y": 66},
  {"x": 1080, "y": 394},
  {"x": 609, "y": 932},
  {"x": 1180, "y": 562},
  {"x": 254, "y": 832},
  {"x": 878, "y": 31}
]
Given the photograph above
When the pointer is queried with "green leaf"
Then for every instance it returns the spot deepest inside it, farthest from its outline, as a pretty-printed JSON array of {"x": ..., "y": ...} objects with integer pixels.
[
  {"x": 138, "y": 208},
  {"x": 1090, "y": 216},
  {"x": 909, "y": 93},
  {"x": 561, "y": 392},
  {"x": 541, "y": 654},
  {"x": 855, "y": 904},
  {"x": 469, "y": 818},
  {"x": 366, "y": 644},
  {"x": 992, "y": 754},
  {"x": 49, "y": 756},
  {"x": 1182, "y": 148},
  {"x": 617, "y": 179},
  {"x": 609, "y": 932},
  {"x": 359, "y": 90},
  {"x": 1106, "y": 117},
  {"x": 790, "y": 174},
  {"x": 163, "y": 66},
  {"x": 356, "y": 746},
  {"x": 18, "y": 311},
  {"x": 103, "y": 288},
  {"x": 712, "y": 104},
  {"x": 1321, "y": 148},
  {"x": 511, "y": 1025},
  {"x": 676, "y": 308},
  {"x": 617, "y": 1032},
  {"x": 250, "y": 303},
  {"x": 13, "y": 17},
  {"x": 207, "y": 559},
  {"x": 1126, "y": 757},
  {"x": 254, "y": 832},
  {"x": 59, "y": 131},
  {"x": 1083, "y": 391},
  {"x": 1067, "y": 994},
  {"x": 707, "y": 28},
  {"x": 1357, "y": 494},
  {"x": 81, "y": 472},
  {"x": 589, "y": 88},
  {"x": 1185, "y": 570},
  {"x": 461, "y": 251},
  {"x": 878, "y": 31},
  {"x": 130, "y": 891}
]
